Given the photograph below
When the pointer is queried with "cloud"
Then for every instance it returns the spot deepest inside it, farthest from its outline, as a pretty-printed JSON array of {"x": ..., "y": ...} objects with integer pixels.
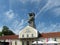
[
  {"x": 50, "y": 28},
  {"x": 18, "y": 30},
  {"x": 18, "y": 25},
  {"x": 43, "y": 8},
  {"x": 56, "y": 11},
  {"x": 0, "y": 29},
  {"x": 54, "y": 28},
  {"x": 50, "y": 4},
  {"x": 41, "y": 27},
  {"x": 35, "y": 1},
  {"x": 10, "y": 14},
  {"x": 24, "y": 1}
]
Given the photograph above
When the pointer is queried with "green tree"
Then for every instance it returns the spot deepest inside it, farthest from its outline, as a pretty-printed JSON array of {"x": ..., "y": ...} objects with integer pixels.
[
  {"x": 6, "y": 31},
  {"x": 0, "y": 33}
]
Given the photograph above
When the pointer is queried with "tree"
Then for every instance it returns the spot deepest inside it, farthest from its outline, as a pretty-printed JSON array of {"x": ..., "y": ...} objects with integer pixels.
[
  {"x": 0, "y": 33},
  {"x": 6, "y": 31}
]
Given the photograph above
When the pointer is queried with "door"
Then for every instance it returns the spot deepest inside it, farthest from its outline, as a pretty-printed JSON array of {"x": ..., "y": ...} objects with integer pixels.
[{"x": 27, "y": 43}]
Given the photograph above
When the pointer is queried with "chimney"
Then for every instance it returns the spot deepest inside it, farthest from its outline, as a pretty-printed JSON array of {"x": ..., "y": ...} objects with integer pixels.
[{"x": 31, "y": 20}]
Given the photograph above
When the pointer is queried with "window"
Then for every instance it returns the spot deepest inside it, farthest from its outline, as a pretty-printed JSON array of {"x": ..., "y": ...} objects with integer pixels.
[
  {"x": 22, "y": 35},
  {"x": 10, "y": 43},
  {"x": 55, "y": 44},
  {"x": 32, "y": 35},
  {"x": 15, "y": 43},
  {"x": 55, "y": 39},
  {"x": 27, "y": 35},
  {"x": 22, "y": 42}
]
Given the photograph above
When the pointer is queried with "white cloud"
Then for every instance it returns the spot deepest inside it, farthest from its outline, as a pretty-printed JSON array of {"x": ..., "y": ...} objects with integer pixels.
[
  {"x": 18, "y": 30},
  {"x": 21, "y": 23},
  {"x": 0, "y": 28},
  {"x": 15, "y": 23},
  {"x": 41, "y": 27},
  {"x": 50, "y": 4},
  {"x": 56, "y": 11},
  {"x": 10, "y": 14},
  {"x": 24, "y": 1},
  {"x": 35, "y": 1},
  {"x": 18, "y": 25},
  {"x": 51, "y": 28}
]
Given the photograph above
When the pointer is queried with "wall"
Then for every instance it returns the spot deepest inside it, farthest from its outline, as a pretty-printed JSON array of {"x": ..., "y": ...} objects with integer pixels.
[{"x": 28, "y": 31}]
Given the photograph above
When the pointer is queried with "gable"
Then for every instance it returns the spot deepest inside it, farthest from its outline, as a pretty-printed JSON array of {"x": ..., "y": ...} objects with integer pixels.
[{"x": 28, "y": 32}]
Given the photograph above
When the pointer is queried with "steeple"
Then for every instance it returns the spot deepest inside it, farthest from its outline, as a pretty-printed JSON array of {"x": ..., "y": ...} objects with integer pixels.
[{"x": 31, "y": 20}]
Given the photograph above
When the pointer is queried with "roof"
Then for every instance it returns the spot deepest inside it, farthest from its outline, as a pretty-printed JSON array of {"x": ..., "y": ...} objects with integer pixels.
[
  {"x": 9, "y": 37},
  {"x": 50, "y": 35},
  {"x": 42, "y": 35},
  {"x": 28, "y": 27}
]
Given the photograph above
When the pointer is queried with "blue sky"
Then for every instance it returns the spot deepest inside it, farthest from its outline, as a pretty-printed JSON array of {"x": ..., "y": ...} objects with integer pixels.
[{"x": 14, "y": 14}]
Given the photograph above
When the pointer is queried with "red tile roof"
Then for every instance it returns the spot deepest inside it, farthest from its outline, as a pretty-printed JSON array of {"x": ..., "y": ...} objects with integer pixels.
[
  {"x": 9, "y": 37},
  {"x": 51, "y": 34}
]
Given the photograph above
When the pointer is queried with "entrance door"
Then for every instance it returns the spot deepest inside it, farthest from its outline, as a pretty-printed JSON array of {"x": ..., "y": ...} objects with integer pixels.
[{"x": 27, "y": 43}]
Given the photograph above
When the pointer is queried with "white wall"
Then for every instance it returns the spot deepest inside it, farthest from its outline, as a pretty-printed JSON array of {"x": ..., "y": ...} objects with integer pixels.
[{"x": 28, "y": 30}]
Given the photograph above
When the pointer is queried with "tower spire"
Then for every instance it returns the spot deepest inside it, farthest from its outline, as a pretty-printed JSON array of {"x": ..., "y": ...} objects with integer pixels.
[{"x": 31, "y": 20}]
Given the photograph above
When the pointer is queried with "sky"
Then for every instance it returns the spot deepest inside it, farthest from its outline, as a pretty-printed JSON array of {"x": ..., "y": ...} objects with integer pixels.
[{"x": 14, "y": 14}]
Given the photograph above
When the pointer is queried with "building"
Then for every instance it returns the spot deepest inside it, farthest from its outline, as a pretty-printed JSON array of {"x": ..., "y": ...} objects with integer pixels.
[
  {"x": 29, "y": 34},
  {"x": 28, "y": 40}
]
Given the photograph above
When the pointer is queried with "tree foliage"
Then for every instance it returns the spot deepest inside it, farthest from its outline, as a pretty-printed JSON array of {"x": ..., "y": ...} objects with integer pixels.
[
  {"x": 0, "y": 33},
  {"x": 7, "y": 31}
]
